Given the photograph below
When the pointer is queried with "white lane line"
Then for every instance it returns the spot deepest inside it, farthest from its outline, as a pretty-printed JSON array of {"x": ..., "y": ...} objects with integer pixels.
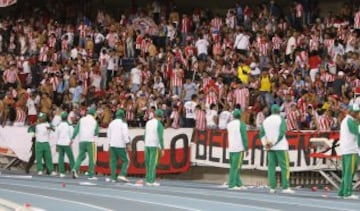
[
  {"x": 152, "y": 194},
  {"x": 57, "y": 199},
  {"x": 14, "y": 206},
  {"x": 247, "y": 196},
  {"x": 103, "y": 195},
  {"x": 16, "y": 176}
]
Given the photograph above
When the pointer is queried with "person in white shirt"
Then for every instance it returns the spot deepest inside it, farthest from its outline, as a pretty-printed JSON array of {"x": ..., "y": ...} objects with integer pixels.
[
  {"x": 159, "y": 86},
  {"x": 104, "y": 59},
  {"x": 112, "y": 67},
  {"x": 74, "y": 53},
  {"x": 42, "y": 147},
  {"x": 63, "y": 135},
  {"x": 290, "y": 47},
  {"x": 202, "y": 48},
  {"x": 273, "y": 137},
  {"x": 154, "y": 143},
  {"x": 87, "y": 129},
  {"x": 135, "y": 76},
  {"x": 349, "y": 133},
  {"x": 118, "y": 136},
  {"x": 31, "y": 109},
  {"x": 238, "y": 146},
  {"x": 224, "y": 117},
  {"x": 242, "y": 43},
  {"x": 211, "y": 117},
  {"x": 189, "y": 108}
]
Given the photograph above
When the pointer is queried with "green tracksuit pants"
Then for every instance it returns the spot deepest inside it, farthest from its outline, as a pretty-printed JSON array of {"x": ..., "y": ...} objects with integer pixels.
[
  {"x": 236, "y": 159},
  {"x": 62, "y": 150},
  {"x": 43, "y": 151},
  {"x": 117, "y": 153},
  {"x": 151, "y": 162},
  {"x": 280, "y": 157},
  {"x": 349, "y": 168},
  {"x": 89, "y": 148}
]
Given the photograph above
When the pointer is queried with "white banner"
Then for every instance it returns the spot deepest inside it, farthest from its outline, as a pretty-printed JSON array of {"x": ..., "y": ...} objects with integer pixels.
[
  {"x": 18, "y": 140},
  {"x": 257, "y": 159},
  {"x": 6, "y": 3}
]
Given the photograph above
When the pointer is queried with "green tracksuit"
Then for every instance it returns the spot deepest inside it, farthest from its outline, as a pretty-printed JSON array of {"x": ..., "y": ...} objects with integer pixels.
[
  {"x": 349, "y": 168},
  {"x": 87, "y": 129},
  {"x": 42, "y": 150},
  {"x": 154, "y": 137},
  {"x": 117, "y": 153},
  {"x": 88, "y": 148},
  {"x": 42, "y": 146},
  {"x": 278, "y": 154},
  {"x": 62, "y": 150},
  {"x": 237, "y": 150},
  {"x": 349, "y": 138}
]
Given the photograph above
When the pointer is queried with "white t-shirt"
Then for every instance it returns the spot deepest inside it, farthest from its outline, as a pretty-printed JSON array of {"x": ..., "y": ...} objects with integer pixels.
[
  {"x": 190, "y": 109},
  {"x": 30, "y": 104},
  {"x": 135, "y": 76},
  {"x": 291, "y": 45},
  {"x": 242, "y": 42},
  {"x": 202, "y": 46},
  {"x": 160, "y": 87},
  {"x": 26, "y": 67},
  {"x": 210, "y": 114},
  {"x": 74, "y": 53},
  {"x": 224, "y": 119}
]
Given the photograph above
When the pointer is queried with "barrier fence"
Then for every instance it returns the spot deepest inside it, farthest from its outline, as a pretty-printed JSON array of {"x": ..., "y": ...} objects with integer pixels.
[{"x": 183, "y": 148}]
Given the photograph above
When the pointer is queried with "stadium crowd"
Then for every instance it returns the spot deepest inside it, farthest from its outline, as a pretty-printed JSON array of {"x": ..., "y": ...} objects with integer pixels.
[{"x": 196, "y": 67}]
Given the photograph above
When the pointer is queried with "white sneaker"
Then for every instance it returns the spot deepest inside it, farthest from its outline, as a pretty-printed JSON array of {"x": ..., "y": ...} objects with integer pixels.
[
  {"x": 288, "y": 191},
  {"x": 74, "y": 174},
  {"x": 235, "y": 188},
  {"x": 62, "y": 175},
  {"x": 153, "y": 184},
  {"x": 351, "y": 197},
  {"x": 123, "y": 179},
  {"x": 272, "y": 191},
  {"x": 53, "y": 173},
  {"x": 107, "y": 179},
  {"x": 92, "y": 178},
  {"x": 40, "y": 173},
  {"x": 156, "y": 184},
  {"x": 242, "y": 188},
  {"x": 113, "y": 181}
]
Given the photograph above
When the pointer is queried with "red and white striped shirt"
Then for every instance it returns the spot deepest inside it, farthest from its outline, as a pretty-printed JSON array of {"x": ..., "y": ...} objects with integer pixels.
[
  {"x": 314, "y": 43},
  {"x": 216, "y": 23},
  {"x": 200, "y": 117},
  {"x": 20, "y": 117},
  {"x": 185, "y": 25},
  {"x": 211, "y": 98},
  {"x": 357, "y": 20},
  {"x": 130, "y": 115},
  {"x": 54, "y": 82},
  {"x": 276, "y": 42},
  {"x": 263, "y": 48},
  {"x": 328, "y": 44},
  {"x": 177, "y": 77},
  {"x": 82, "y": 31},
  {"x": 175, "y": 117},
  {"x": 10, "y": 75},
  {"x": 283, "y": 26},
  {"x": 241, "y": 97},
  {"x": 299, "y": 10},
  {"x": 52, "y": 42},
  {"x": 43, "y": 54},
  {"x": 292, "y": 120},
  {"x": 324, "y": 123}
]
